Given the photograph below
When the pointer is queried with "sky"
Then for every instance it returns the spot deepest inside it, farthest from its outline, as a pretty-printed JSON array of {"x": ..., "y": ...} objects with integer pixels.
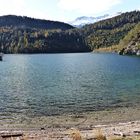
[{"x": 65, "y": 10}]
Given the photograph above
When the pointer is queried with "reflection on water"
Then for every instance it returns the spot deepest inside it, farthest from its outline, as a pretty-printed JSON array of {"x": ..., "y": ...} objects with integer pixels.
[{"x": 49, "y": 84}]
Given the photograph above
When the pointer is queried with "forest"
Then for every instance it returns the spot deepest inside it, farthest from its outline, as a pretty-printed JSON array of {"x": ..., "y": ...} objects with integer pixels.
[
  {"x": 18, "y": 40},
  {"x": 28, "y": 35},
  {"x": 109, "y": 32}
]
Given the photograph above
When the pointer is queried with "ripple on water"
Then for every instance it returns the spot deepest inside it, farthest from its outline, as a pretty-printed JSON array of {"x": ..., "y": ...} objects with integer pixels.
[{"x": 56, "y": 84}]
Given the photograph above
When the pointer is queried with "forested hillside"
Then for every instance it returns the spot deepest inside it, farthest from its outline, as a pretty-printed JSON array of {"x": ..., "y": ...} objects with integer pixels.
[
  {"x": 26, "y": 22},
  {"x": 109, "y": 32},
  {"x": 27, "y": 35},
  {"x": 19, "y": 40}
]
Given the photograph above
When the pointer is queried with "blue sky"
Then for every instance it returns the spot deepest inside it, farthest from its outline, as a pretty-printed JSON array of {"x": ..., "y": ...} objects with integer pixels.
[{"x": 66, "y": 10}]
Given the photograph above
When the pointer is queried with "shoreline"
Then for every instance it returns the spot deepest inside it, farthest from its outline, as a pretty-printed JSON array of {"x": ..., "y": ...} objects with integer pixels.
[
  {"x": 114, "y": 115},
  {"x": 107, "y": 50},
  {"x": 116, "y": 122},
  {"x": 112, "y": 131}
]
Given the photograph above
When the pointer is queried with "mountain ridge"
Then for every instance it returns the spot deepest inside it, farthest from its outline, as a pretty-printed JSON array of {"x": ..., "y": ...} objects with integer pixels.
[
  {"x": 32, "y": 37},
  {"x": 27, "y": 22},
  {"x": 83, "y": 20}
]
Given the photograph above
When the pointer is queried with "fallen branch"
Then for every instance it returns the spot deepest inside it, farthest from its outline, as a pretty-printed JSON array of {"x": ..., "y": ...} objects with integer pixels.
[{"x": 11, "y": 135}]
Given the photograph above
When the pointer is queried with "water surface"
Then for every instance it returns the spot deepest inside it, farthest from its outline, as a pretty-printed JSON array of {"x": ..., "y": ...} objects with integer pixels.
[{"x": 55, "y": 84}]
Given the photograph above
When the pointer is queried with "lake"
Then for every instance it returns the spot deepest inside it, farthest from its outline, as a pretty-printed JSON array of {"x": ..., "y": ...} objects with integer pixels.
[{"x": 56, "y": 84}]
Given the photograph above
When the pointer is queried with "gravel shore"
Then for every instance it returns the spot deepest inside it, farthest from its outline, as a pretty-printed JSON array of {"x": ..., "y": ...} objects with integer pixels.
[{"x": 121, "y": 122}]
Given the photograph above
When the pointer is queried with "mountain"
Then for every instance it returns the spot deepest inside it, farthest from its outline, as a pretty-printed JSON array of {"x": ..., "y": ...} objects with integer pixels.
[
  {"x": 109, "y": 32},
  {"x": 27, "y": 35},
  {"x": 81, "y": 21},
  {"x": 56, "y": 37},
  {"x": 26, "y": 22}
]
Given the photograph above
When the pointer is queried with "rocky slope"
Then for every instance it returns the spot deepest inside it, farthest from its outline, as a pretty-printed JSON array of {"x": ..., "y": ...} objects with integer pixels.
[{"x": 130, "y": 45}]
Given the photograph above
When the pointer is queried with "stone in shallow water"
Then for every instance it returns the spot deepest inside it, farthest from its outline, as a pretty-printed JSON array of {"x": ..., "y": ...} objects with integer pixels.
[{"x": 138, "y": 53}]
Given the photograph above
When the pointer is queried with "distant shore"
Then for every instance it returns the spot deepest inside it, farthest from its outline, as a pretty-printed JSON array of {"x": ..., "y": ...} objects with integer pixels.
[
  {"x": 118, "y": 50},
  {"x": 112, "y": 49}
]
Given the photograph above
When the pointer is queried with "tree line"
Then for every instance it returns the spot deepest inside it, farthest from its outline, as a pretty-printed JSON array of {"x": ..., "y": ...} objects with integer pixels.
[{"x": 21, "y": 40}]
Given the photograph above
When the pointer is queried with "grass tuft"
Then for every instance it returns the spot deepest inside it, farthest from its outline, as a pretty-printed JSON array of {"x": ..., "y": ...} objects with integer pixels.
[
  {"x": 76, "y": 135},
  {"x": 100, "y": 136}
]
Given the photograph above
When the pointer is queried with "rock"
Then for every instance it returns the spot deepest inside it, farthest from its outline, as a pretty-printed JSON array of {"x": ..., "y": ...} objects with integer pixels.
[
  {"x": 130, "y": 50},
  {"x": 137, "y": 131},
  {"x": 132, "y": 122},
  {"x": 138, "y": 53},
  {"x": 119, "y": 134},
  {"x": 121, "y": 52},
  {"x": 42, "y": 128},
  {"x": 113, "y": 129}
]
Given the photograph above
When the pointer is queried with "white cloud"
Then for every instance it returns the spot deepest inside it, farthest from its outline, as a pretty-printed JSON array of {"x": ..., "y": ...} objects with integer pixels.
[
  {"x": 87, "y": 6},
  {"x": 11, "y": 7},
  {"x": 55, "y": 9},
  {"x": 19, "y": 7}
]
